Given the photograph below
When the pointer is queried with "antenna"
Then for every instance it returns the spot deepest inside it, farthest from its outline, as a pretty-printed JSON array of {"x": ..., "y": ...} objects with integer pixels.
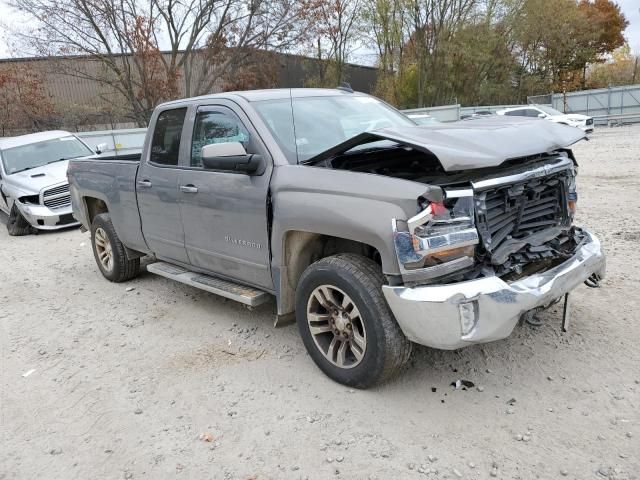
[
  {"x": 293, "y": 121},
  {"x": 293, "y": 118},
  {"x": 344, "y": 86}
]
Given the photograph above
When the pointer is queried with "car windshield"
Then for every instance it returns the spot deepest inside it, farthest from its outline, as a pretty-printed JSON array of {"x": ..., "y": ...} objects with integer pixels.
[
  {"x": 25, "y": 157},
  {"x": 549, "y": 110},
  {"x": 323, "y": 122}
]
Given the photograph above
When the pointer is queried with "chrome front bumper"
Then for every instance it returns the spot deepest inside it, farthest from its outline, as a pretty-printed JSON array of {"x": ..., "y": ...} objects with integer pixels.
[
  {"x": 45, "y": 218},
  {"x": 479, "y": 311}
]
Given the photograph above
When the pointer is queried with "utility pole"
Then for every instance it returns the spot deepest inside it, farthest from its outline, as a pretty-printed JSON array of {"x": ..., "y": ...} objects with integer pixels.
[{"x": 635, "y": 71}]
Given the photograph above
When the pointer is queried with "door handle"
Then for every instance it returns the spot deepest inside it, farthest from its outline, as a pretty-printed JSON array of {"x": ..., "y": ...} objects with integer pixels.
[
  {"x": 188, "y": 189},
  {"x": 144, "y": 183}
]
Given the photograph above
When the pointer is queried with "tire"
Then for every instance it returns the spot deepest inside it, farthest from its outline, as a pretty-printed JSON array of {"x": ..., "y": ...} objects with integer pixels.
[
  {"x": 114, "y": 266},
  {"x": 17, "y": 225},
  {"x": 351, "y": 282}
]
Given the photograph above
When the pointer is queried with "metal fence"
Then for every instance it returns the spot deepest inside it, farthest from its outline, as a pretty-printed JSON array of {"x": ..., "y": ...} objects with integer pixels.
[
  {"x": 118, "y": 141},
  {"x": 606, "y": 105}
]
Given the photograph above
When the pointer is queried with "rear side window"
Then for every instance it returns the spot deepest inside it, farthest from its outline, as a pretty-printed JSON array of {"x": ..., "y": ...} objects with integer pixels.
[
  {"x": 216, "y": 126},
  {"x": 165, "y": 145}
]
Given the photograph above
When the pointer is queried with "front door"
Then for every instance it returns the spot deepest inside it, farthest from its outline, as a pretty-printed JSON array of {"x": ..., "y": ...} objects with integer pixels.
[
  {"x": 224, "y": 215},
  {"x": 157, "y": 188}
]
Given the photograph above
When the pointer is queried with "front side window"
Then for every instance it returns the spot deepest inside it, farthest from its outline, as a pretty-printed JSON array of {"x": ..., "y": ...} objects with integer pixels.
[
  {"x": 26, "y": 157},
  {"x": 215, "y": 126},
  {"x": 516, "y": 113},
  {"x": 165, "y": 144}
]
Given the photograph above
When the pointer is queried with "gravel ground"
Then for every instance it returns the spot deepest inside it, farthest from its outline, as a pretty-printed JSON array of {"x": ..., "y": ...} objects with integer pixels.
[{"x": 152, "y": 379}]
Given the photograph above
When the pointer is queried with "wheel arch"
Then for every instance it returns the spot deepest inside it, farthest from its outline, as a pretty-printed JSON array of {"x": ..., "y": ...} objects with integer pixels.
[
  {"x": 94, "y": 206},
  {"x": 300, "y": 249}
]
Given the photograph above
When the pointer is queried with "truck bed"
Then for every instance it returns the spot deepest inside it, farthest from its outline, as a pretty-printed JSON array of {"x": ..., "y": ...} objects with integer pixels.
[
  {"x": 125, "y": 157},
  {"x": 111, "y": 179}
]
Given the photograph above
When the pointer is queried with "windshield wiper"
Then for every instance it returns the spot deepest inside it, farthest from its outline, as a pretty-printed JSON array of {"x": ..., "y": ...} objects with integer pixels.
[{"x": 63, "y": 159}]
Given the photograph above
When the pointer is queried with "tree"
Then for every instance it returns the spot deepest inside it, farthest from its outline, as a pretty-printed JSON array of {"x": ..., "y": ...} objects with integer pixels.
[
  {"x": 621, "y": 69},
  {"x": 209, "y": 42},
  {"x": 24, "y": 103},
  {"x": 338, "y": 32},
  {"x": 385, "y": 30},
  {"x": 432, "y": 52},
  {"x": 557, "y": 39},
  {"x": 607, "y": 22}
]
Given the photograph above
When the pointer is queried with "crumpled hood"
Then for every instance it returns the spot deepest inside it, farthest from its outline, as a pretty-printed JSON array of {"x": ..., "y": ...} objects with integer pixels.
[
  {"x": 30, "y": 182},
  {"x": 471, "y": 144}
]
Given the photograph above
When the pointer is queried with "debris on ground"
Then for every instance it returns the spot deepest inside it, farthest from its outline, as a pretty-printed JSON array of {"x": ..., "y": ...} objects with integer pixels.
[{"x": 462, "y": 384}]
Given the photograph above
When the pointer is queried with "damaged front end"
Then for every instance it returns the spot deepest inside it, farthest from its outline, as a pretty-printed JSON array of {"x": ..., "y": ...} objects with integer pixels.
[
  {"x": 509, "y": 226},
  {"x": 479, "y": 258},
  {"x": 493, "y": 235}
]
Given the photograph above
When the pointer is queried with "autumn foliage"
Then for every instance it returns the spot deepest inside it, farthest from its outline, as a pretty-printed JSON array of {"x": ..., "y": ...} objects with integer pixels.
[{"x": 24, "y": 103}]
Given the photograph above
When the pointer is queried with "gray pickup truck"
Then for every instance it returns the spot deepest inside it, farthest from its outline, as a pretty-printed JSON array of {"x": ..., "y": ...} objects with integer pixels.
[{"x": 372, "y": 231}]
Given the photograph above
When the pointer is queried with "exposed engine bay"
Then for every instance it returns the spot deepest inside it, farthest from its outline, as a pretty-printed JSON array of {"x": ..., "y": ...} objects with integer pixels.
[{"x": 508, "y": 221}]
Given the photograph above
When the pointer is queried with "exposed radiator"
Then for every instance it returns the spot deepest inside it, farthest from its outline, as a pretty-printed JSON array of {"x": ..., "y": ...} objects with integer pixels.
[{"x": 518, "y": 210}]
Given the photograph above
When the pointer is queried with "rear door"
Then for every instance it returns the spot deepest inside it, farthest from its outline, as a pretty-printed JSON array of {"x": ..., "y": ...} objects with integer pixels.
[
  {"x": 224, "y": 214},
  {"x": 157, "y": 186}
]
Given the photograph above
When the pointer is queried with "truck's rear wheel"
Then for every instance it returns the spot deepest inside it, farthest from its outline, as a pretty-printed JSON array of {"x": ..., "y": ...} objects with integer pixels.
[
  {"x": 109, "y": 251},
  {"x": 17, "y": 225},
  {"x": 346, "y": 324}
]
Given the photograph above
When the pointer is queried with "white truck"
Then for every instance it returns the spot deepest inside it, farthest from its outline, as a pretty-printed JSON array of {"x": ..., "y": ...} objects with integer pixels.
[{"x": 34, "y": 190}]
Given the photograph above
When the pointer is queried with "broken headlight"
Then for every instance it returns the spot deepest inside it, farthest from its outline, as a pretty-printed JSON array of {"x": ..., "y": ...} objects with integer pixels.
[
  {"x": 440, "y": 239},
  {"x": 572, "y": 195},
  {"x": 30, "y": 199}
]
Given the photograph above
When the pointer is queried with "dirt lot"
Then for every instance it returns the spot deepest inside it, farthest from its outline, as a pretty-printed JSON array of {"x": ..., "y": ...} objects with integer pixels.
[{"x": 131, "y": 383}]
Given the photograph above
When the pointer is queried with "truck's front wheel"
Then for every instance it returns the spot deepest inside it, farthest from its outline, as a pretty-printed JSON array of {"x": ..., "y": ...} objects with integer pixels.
[
  {"x": 109, "y": 251},
  {"x": 345, "y": 322}
]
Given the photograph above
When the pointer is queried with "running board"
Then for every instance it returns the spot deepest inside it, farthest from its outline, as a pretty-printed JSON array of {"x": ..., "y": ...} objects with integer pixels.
[{"x": 224, "y": 288}]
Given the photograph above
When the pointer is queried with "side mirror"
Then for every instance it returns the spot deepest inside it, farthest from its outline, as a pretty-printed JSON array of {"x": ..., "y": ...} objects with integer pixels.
[
  {"x": 101, "y": 147},
  {"x": 231, "y": 157},
  {"x": 542, "y": 115}
]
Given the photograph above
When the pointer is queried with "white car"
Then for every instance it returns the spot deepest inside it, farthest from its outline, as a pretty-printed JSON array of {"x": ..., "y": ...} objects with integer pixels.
[
  {"x": 34, "y": 190},
  {"x": 422, "y": 118},
  {"x": 582, "y": 122}
]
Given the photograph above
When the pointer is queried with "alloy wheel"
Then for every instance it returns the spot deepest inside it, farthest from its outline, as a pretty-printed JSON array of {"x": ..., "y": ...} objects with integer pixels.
[
  {"x": 336, "y": 326},
  {"x": 103, "y": 249}
]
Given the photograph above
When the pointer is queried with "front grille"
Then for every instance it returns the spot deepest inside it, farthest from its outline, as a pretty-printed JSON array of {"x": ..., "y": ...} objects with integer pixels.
[
  {"x": 518, "y": 210},
  {"x": 57, "y": 197},
  {"x": 589, "y": 121}
]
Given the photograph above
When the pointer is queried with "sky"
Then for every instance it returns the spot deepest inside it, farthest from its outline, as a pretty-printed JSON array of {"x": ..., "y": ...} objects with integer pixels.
[{"x": 631, "y": 9}]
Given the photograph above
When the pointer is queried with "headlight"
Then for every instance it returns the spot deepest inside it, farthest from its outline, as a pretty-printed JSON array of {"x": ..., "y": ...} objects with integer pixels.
[
  {"x": 572, "y": 194},
  {"x": 30, "y": 199},
  {"x": 440, "y": 239}
]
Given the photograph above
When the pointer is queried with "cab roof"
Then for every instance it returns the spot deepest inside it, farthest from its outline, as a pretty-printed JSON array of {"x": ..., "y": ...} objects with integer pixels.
[{"x": 271, "y": 94}]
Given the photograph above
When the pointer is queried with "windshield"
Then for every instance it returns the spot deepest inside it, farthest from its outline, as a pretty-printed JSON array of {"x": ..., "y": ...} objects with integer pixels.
[
  {"x": 34, "y": 155},
  {"x": 323, "y": 122},
  {"x": 549, "y": 110}
]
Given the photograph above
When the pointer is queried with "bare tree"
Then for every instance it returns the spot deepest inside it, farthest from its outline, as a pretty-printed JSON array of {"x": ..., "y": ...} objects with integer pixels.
[
  {"x": 208, "y": 41},
  {"x": 24, "y": 102},
  {"x": 337, "y": 33}
]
